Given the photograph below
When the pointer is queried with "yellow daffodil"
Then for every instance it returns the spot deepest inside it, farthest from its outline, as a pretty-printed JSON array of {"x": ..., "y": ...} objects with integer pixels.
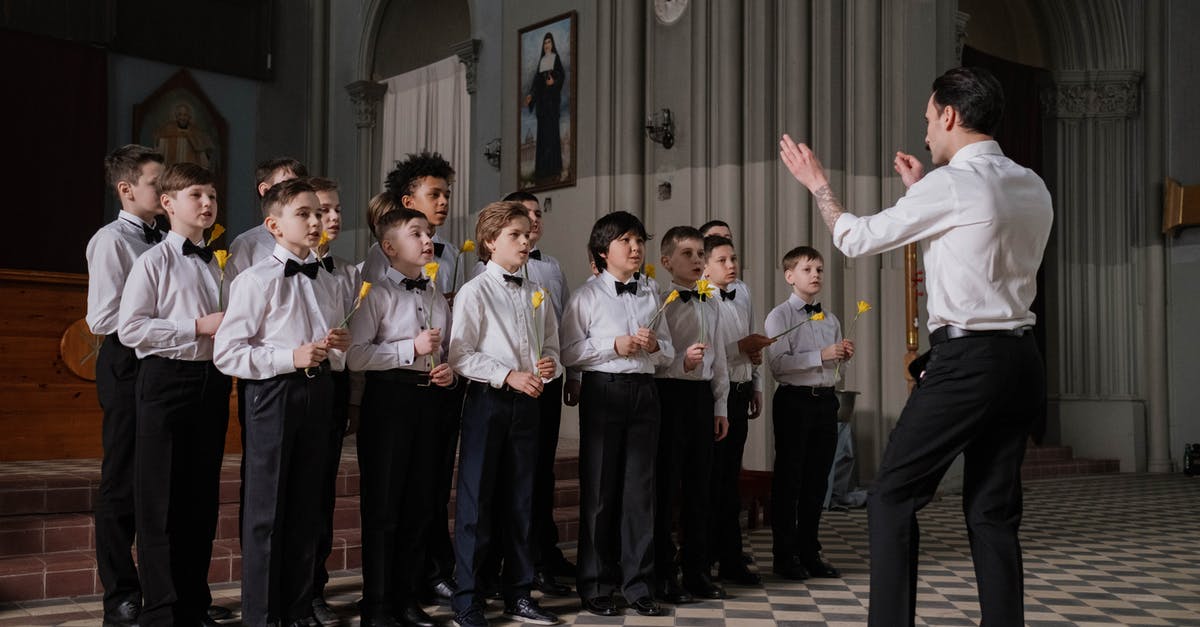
[
  {"x": 820, "y": 315},
  {"x": 705, "y": 289},
  {"x": 671, "y": 297},
  {"x": 324, "y": 239},
  {"x": 362, "y": 293},
  {"x": 537, "y": 299},
  {"x": 863, "y": 307},
  {"x": 216, "y": 232},
  {"x": 431, "y": 270},
  {"x": 650, "y": 272},
  {"x": 364, "y": 290},
  {"x": 468, "y": 246},
  {"x": 222, "y": 257}
]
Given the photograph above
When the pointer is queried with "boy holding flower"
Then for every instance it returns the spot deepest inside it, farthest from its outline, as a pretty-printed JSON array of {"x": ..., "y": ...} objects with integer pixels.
[
  {"x": 170, "y": 311},
  {"x": 505, "y": 342},
  {"x": 282, "y": 334},
  {"x": 400, "y": 339},
  {"x": 694, "y": 389},
  {"x": 802, "y": 360}
]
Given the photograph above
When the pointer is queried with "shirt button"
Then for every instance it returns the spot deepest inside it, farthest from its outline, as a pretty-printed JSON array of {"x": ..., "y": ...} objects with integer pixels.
[{"x": 422, "y": 327}]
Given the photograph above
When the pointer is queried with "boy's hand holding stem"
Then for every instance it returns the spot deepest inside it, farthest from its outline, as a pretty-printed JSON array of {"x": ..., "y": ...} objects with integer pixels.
[{"x": 694, "y": 356}]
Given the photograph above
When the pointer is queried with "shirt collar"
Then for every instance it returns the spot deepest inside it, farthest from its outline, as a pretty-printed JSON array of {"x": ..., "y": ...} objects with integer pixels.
[
  {"x": 498, "y": 270},
  {"x": 609, "y": 281},
  {"x": 283, "y": 254},
  {"x": 134, "y": 220},
  {"x": 796, "y": 302},
  {"x": 397, "y": 277},
  {"x": 975, "y": 149},
  {"x": 178, "y": 240}
]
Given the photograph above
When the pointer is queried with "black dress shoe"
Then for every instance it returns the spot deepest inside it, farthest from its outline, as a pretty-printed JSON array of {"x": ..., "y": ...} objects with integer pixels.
[
  {"x": 415, "y": 616},
  {"x": 646, "y": 606},
  {"x": 442, "y": 592},
  {"x": 208, "y": 621},
  {"x": 125, "y": 615},
  {"x": 671, "y": 591},
  {"x": 702, "y": 587},
  {"x": 601, "y": 606},
  {"x": 526, "y": 610},
  {"x": 790, "y": 569},
  {"x": 821, "y": 568},
  {"x": 545, "y": 582},
  {"x": 739, "y": 575},
  {"x": 471, "y": 617},
  {"x": 216, "y": 612},
  {"x": 747, "y": 559},
  {"x": 323, "y": 614}
]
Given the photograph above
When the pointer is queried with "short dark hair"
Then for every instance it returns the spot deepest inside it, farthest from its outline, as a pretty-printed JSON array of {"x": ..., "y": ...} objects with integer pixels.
[
  {"x": 521, "y": 197},
  {"x": 713, "y": 223},
  {"x": 794, "y": 256},
  {"x": 322, "y": 184},
  {"x": 396, "y": 218},
  {"x": 975, "y": 94},
  {"x": 125, "y": 163},
  {"x": 179, "y": 176},
  {"x": 677, "y": 234},
  {"x": 264, "y": 170},
  {"x": 284, "y": 192},
  {"x": 609, "y": 228},
  {"x": 492, "y": 220},
  {"x": 404, "y": 178},
  {"x": 712, "y": 242}
]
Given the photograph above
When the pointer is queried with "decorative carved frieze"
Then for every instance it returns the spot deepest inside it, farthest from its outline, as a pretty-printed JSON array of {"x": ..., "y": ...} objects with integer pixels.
[
  {"x": 366, "y": 96},
  {"x": 468, "y": 55},
  {"x": 1093, "y": 95}
]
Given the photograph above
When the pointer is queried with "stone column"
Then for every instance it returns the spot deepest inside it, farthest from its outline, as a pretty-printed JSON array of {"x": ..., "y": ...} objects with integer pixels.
[{"x": 366, "y": 97}]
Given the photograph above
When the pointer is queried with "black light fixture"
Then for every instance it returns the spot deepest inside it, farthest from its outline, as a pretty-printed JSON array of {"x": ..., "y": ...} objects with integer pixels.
[
  {"x": 491, "y": 152},
  {"x": 660, "y": 127}
]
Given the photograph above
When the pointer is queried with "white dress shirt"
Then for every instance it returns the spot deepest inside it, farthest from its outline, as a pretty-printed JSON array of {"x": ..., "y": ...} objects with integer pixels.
[
  {"x": 110, "y": 256},
  {"x": 684, "y": 319},
  {"x": 165, "y": 293},
  {"x": 270, "y": 315},
  {"x": 795, "y": 359},
  {"x": 349, "y": 279},
  {"x": 737, "y": 321},
  {"x": 545, "y": 272},
  {"x": 388, "y": 322},
  {"x": 983, "y": 222},
  {"x": 596, "y": 316},
  {"x": 494, "y": 326},
  {"x": 375, "y": 266},
  {"x": 250, "y": 248}
]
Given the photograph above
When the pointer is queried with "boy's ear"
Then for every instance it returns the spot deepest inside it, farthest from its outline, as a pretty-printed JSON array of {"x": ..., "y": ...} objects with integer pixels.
[
  {"x": 124, "y": 188},
  {"x": 262, "y": 188},
  {"x": 787, "y": 277},
  {"x": 386, "y": 246},
  {"x": 272, "y": 224},
  {"x": 164, "y": 201},
  {"x": 407, "y": 201},
  {"x": 666, "y": 262}
]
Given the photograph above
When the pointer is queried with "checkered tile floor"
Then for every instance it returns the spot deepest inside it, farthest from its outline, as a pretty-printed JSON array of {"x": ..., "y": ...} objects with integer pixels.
[{"x": 1104, "y": 550}]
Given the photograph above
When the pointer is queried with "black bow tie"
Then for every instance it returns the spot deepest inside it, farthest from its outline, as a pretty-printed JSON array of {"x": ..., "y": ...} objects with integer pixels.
[
  {"x": 152, "y": 234},
  {"x": 535, "y": 254},
  {"x": 309, "y": 269},
  {"x": 512, "y": 278},
  {"x": 415, "y": 284},
  {"x": 728, "y": 295},
  {"x": 438, "y": 249},
  {"x": 814, "y": 308},
  {"x": 203, "y": 253},
  {"x": 630, "y": 287},
  {"x": 686, "y": 295},
  {"x": 327, "y": 261}
]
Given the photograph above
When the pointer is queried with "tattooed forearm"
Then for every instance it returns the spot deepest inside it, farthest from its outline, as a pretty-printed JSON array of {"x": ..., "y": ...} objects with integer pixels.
[{"x": 830, "y": 206}]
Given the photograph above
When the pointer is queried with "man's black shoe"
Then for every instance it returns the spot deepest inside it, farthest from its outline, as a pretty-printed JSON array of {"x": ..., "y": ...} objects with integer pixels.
[
  {"x": 790, "y": 569},
  {"x": 821, "y": 568},
  {"x": 646, "y": 606},
  {"x": 739, "y": 575},
  {"x": 415, "y": 616},
  {"x": 471, "y": 617},
  {"x": 323, "y": 614},
  {"x": 126, "y": 614},
  {"x": 216, "y": 612},
  {"x": 670, "y": 591},
  {"x": 526, "y": 610},
  {"x": 601, "y": 606},
  {"x": 545, "y": 582},
  {"x": 442, "y": 592},
  {"x": 701, "y": 586}
]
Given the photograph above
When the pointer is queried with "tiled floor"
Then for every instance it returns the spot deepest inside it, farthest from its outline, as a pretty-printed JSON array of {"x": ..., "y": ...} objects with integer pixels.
[{"x": 1111, "y": 550}]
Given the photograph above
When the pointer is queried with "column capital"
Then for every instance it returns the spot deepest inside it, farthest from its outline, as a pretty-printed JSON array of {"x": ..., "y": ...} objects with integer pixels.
[
  {"x": 960, "y": 33},
  {"x": 1093, "y": 94},
  {"x": 366, "y": 96},
  {"x": 468, "y": 54}
]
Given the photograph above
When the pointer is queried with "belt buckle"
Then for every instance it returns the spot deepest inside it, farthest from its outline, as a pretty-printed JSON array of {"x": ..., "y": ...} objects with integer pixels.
[
  {"x": 428, "y": 382},
  {"x": 309, "y": 372},
  {"x": 812, "y": 389}
]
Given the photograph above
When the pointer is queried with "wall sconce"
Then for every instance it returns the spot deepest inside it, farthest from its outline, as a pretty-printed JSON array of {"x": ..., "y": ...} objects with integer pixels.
[
  {"x": 660, "y": 128},
  {"x": 491, "y": 152}
]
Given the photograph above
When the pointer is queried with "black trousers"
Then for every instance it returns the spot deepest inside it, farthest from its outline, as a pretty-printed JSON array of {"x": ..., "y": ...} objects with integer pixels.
[
  {"x": 287, "y": 435},
  {"x": 726, "y": 530},
  {"x": 498, "y": 448},
  {"x": 395, "y": 453},
  {"x": 805, "y": 443},
  {"x": 683, "y": 472},
  {"x": 439, "y": 553},
  {"x": 341, "y": 410},
  {"x": 116, "y": 379},
  {"x": 618, "y": 443},
  {"x": 979, "y": 397},
  {"x": 183, "y": 412}
]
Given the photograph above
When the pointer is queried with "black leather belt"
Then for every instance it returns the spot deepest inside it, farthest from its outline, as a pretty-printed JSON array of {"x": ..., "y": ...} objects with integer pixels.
[
  {"x": 808, "y": 389},
  {"x": 947, "y": 333},
  {"x": 399, "y": 375},
  {"x": 631, "y": 377},
  {"x": 741, "y": 387},
  {"x": 312, "y": 372}
]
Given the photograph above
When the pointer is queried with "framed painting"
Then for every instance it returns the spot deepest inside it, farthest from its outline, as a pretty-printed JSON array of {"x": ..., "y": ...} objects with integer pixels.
[{"x": 547, "y": 111}]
